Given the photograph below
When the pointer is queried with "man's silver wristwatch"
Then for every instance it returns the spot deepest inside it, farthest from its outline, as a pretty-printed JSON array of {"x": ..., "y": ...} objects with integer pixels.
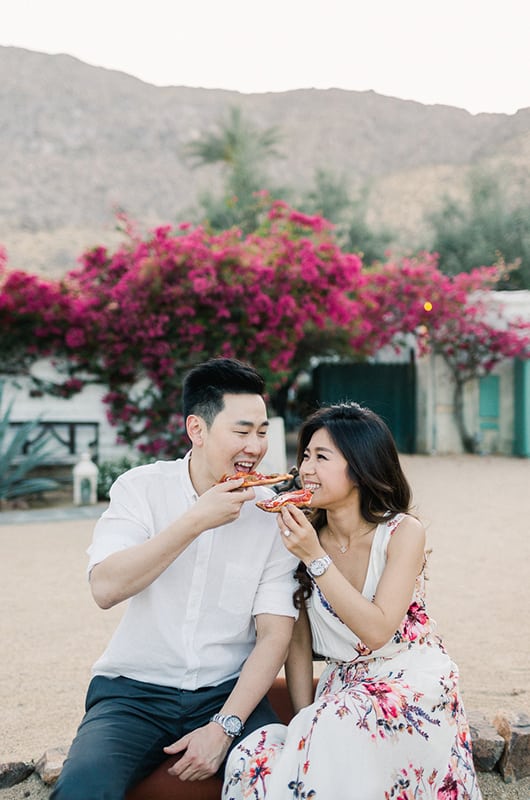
[
  {"x": 318, "y": 567},
  {"x": 231, "y": 724}
]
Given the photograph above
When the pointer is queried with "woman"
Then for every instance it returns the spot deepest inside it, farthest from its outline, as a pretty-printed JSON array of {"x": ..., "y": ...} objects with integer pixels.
[{"x": 387, "y": 720}]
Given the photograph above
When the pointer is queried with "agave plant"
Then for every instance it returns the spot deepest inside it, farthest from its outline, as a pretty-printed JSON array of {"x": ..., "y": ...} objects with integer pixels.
[{"x": 15, "y": 465}]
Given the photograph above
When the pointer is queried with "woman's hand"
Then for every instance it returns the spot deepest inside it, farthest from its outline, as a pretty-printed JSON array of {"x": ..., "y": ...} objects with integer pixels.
[{"x": 298, "y": 535}]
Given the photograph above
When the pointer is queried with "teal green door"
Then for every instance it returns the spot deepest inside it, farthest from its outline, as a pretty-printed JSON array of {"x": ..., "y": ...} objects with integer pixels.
[
  {"x": 388, "y": 389},
  {"x": 489, "y": 402},
  {"x": 522, "y": 408}
]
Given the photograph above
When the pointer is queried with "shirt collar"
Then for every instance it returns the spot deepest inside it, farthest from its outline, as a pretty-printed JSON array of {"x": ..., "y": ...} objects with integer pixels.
[{"x": 186, "y": 479}]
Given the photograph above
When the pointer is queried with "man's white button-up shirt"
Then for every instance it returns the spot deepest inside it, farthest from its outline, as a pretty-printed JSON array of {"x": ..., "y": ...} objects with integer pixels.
[{"x": 194, "y": 625}]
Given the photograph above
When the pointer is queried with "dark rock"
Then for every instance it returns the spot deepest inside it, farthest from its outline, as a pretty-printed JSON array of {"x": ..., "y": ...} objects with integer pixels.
[
  {"x": 14, "y": 772},
  {"x": 488, "y": 744},
  {"x": 514, "y": 763}
]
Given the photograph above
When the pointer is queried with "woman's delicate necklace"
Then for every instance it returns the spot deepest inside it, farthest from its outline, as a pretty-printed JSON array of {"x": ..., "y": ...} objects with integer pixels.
[{"x": 343, "y": 548}]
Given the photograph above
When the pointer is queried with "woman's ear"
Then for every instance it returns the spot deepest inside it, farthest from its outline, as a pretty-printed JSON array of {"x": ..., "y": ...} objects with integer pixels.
[{"x": 195, "y": 427}]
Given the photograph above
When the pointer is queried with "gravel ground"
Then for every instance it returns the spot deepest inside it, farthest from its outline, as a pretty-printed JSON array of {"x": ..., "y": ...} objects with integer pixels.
[{"x": 492, "y": 787}]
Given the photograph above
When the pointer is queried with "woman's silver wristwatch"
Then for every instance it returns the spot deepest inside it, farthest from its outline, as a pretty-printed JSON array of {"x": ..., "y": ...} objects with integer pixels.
[{"x": 318, "y": 566}]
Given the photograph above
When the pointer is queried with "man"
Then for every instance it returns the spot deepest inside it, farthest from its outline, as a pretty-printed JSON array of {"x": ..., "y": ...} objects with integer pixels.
[{"x": 210, "y": 610}]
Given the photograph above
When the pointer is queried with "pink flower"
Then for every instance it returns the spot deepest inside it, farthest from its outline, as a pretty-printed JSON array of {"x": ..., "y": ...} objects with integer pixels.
[
  {"x": 414, "y": 621},
  {"x": 449, "y": 789},
  {"x": 388, "y": 704}
]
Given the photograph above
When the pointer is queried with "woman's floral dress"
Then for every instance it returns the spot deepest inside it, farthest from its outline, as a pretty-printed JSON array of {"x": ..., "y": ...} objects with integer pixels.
[{"x": 387, "y": 724}]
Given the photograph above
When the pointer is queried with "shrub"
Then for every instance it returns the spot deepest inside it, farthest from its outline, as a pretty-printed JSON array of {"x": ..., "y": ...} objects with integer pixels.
[
  {"x": 110, "y": 470},
  {"x": 15, "y": 465}
]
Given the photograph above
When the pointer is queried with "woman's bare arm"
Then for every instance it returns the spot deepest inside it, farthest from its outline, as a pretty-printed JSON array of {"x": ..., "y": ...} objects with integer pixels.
[{"x": 299, "y": 664}]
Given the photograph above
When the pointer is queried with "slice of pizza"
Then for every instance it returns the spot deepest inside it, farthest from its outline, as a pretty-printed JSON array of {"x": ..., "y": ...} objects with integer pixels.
[
  {"x": 301, "y": 498},
  {"x": 256, "y": 478}
]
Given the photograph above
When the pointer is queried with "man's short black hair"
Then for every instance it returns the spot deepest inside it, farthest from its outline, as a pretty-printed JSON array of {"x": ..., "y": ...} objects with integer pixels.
[{"x": 206, "y": 384}]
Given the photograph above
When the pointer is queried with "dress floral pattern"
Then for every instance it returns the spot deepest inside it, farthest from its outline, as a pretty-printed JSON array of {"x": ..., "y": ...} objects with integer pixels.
[{"x": 387, "y": 724}]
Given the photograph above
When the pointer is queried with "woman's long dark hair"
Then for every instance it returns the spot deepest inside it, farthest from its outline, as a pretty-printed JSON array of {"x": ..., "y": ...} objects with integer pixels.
[{"x": 368, "y": 446}]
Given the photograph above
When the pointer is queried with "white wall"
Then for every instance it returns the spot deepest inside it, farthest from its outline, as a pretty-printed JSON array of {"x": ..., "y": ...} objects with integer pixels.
[
  {"x": 436, "y": 426},
  {"x": 86, "y": 406},
  {"x": 276, "y": 457}
]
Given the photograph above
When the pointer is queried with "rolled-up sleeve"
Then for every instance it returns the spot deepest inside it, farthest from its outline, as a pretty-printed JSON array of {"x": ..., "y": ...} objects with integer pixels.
[
  {"x": 121, "y": 526},
  {"x": 277, "y": 584}
]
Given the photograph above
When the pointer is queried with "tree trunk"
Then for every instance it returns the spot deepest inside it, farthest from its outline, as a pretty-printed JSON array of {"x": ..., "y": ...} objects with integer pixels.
[{"x": 468, "y": 441}]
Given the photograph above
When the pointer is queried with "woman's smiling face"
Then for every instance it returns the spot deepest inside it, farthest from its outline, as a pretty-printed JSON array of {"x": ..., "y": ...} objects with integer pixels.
[{"x": 324, "y": 471}]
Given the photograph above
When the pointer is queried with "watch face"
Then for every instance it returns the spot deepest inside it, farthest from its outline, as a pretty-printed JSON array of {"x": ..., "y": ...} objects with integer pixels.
[
  {"x": 233, "y": 725},
  {"x": 319, "y": 566}
]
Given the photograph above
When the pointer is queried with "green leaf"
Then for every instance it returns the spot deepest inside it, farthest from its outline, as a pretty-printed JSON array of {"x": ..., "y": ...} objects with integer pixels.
[{"x": 15, "y": 465}]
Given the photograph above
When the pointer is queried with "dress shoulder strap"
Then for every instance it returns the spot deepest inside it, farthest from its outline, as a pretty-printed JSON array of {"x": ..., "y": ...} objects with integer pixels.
[{"x": 394, "y": 522}]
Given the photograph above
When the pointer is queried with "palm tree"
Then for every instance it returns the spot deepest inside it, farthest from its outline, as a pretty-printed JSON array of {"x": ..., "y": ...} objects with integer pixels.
[
  {"x": 236, "y": 141},
  {"x": 241, "y": 148}
]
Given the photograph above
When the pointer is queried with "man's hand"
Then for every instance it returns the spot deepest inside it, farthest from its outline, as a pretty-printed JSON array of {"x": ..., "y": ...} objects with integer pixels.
[
  {"x": 221, "y": 504},
  {"x": 204, "y": 751}
]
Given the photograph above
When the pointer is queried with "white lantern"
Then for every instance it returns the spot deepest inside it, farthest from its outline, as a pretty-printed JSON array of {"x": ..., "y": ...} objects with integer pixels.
[{"x": 85, "y": 481}]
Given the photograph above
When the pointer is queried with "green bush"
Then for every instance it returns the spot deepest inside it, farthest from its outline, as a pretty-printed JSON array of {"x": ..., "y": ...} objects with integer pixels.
[
  {"x": 490, "y": 226},
  {"x": 15, "y": 465},
  {"x": 110, "y": 470}
]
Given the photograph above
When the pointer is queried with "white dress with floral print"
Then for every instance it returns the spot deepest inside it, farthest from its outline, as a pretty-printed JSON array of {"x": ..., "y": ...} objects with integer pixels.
[{"x": 385, "y": 725}]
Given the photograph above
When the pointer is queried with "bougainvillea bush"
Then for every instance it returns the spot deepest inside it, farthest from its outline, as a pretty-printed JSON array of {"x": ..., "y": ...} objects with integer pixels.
[{"x": 136, "y": 319}]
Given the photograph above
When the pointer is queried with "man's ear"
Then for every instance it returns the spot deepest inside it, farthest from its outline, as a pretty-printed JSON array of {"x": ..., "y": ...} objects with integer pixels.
[{"x": 195, "y": 428}]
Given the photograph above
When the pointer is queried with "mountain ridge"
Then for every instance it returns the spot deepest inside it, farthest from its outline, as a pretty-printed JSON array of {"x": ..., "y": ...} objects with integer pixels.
[{"x": 77, "y": 140}]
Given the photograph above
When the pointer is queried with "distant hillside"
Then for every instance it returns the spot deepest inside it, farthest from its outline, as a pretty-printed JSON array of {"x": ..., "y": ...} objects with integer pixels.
[{"x": 76, "y": 141}]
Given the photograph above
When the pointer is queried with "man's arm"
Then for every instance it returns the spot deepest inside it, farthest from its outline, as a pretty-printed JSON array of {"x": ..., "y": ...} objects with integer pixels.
[
  {"x": 127, "y": 572},
  {"x": 206, "y": 747}
]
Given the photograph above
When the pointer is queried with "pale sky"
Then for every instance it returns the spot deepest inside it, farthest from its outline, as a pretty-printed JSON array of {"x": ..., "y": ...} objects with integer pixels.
[{"x": 472, "y": 54}]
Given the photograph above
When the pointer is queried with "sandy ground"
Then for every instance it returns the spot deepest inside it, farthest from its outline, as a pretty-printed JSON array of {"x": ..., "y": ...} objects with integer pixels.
[{"x": 476, "y": 511}]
